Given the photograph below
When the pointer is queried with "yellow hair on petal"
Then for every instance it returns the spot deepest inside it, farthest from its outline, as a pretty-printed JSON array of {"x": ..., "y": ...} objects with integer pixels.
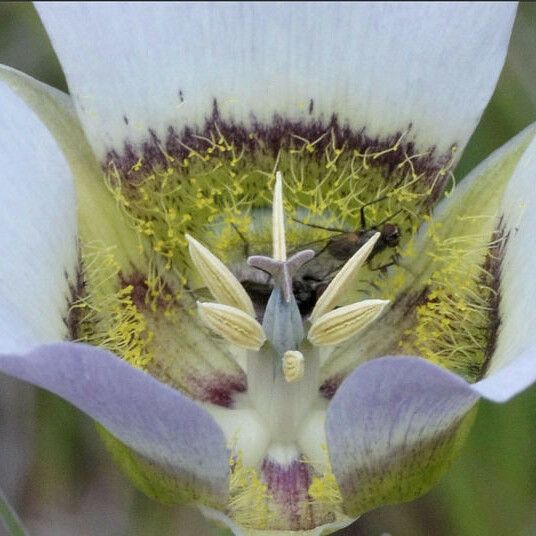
[
  {"x": 453, "y": 322},
  {"x": 325, "y": 490},
  {"x": 249, "y": 498},
  {"x": 213, "y": 190},
  {"x": 109, "y": 316}
]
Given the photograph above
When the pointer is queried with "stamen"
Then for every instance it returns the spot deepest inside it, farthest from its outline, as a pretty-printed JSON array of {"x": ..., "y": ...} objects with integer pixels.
[
  {"x": 293, "y": 366},
  {"x": 343, "y": 323},
  {"x": 232, "y": 324},
  {"x": 278, "y": 221},
  {"x": 221, "y": 282},
  {"x": 341, "y": 283}
]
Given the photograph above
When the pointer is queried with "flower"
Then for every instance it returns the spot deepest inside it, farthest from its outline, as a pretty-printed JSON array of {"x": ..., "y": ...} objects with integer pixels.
[{"x": 270, "y": 425}]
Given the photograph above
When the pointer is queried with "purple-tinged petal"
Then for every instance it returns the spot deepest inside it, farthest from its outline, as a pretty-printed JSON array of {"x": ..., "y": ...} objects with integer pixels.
[
  {"x": 392, "y": 428},
  {"x": 216, "y": 380},
  {"x": 157, "y": 422}
]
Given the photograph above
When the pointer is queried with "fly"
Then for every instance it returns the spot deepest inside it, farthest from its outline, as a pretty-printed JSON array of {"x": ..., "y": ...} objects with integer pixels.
[{"x": 346, "y": 243}]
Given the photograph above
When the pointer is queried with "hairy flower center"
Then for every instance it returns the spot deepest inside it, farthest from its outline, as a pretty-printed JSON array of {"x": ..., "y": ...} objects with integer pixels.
[{"x": 266, "y": 359}]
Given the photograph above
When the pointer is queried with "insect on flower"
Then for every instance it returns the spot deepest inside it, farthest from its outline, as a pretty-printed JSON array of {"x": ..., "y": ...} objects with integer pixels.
[
  {"x": 346, "y": 243},
  {"x": 331, "y": 253}
]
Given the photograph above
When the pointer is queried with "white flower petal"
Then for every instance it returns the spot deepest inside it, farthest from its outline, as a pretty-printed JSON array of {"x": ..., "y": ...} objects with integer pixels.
[
  {"x": 514, "y": 377},
  {"x": 383, "y": 66},
  {"x": 38, "y": 238},
  {"x": 179, "y": 444},
  {"x": 513, "y": 364},
  {"x": 208, "y": 374},
  {"x": 465, "y": 222},
  {"x": 97, "y": 210}
]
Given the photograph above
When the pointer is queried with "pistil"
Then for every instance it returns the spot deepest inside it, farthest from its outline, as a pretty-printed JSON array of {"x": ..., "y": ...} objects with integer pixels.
[{"x": 282, "y": 322}]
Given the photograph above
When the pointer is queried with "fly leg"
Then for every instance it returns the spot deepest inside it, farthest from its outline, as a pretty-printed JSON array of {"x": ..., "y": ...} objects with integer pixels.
[{"x": 243, "y": 238}]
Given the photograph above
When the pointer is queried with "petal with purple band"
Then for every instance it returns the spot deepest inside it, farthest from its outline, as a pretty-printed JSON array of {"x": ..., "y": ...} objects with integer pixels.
[
  {"x": 433, "y": 66},
  {"x": 512, "y": 366},
  {"x": 496, "y": 204},
  {"x": 160, "y": 424},
  {"x": 217, "y": 379},
  {"x": 37, "y": 268},
  {"x": 392, "y": 429},
  {"x": 467, "y": 220}
]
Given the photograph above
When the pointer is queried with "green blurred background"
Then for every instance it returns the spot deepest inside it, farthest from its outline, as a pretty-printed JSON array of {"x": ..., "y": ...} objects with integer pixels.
[{"x": 63, "y": 482}]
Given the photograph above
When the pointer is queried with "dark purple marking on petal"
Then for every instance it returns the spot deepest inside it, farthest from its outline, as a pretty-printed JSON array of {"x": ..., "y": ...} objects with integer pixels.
[
  {"x": 279, "y": 134},
  {"x": 156, "y": 421},
  {"x": 77, "y": 290},
  {"x": 330, "y": 385},
  {"x": 288, "y": 485},
  {"x": 391, "y": 429},
  {"x": 140, "y": 291},
  {"x": 218, "y": 389},
  {"x": 492, "y": 279}
]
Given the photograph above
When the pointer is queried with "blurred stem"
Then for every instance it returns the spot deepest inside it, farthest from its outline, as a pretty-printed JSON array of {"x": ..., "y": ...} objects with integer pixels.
[{"x": 10, "y": 519}]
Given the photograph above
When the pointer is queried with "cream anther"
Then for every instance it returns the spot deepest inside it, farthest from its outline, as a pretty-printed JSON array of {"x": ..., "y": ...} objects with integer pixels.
[
  {"x": 278, "y": 221},
  {"x": 293, "y": 366}
]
